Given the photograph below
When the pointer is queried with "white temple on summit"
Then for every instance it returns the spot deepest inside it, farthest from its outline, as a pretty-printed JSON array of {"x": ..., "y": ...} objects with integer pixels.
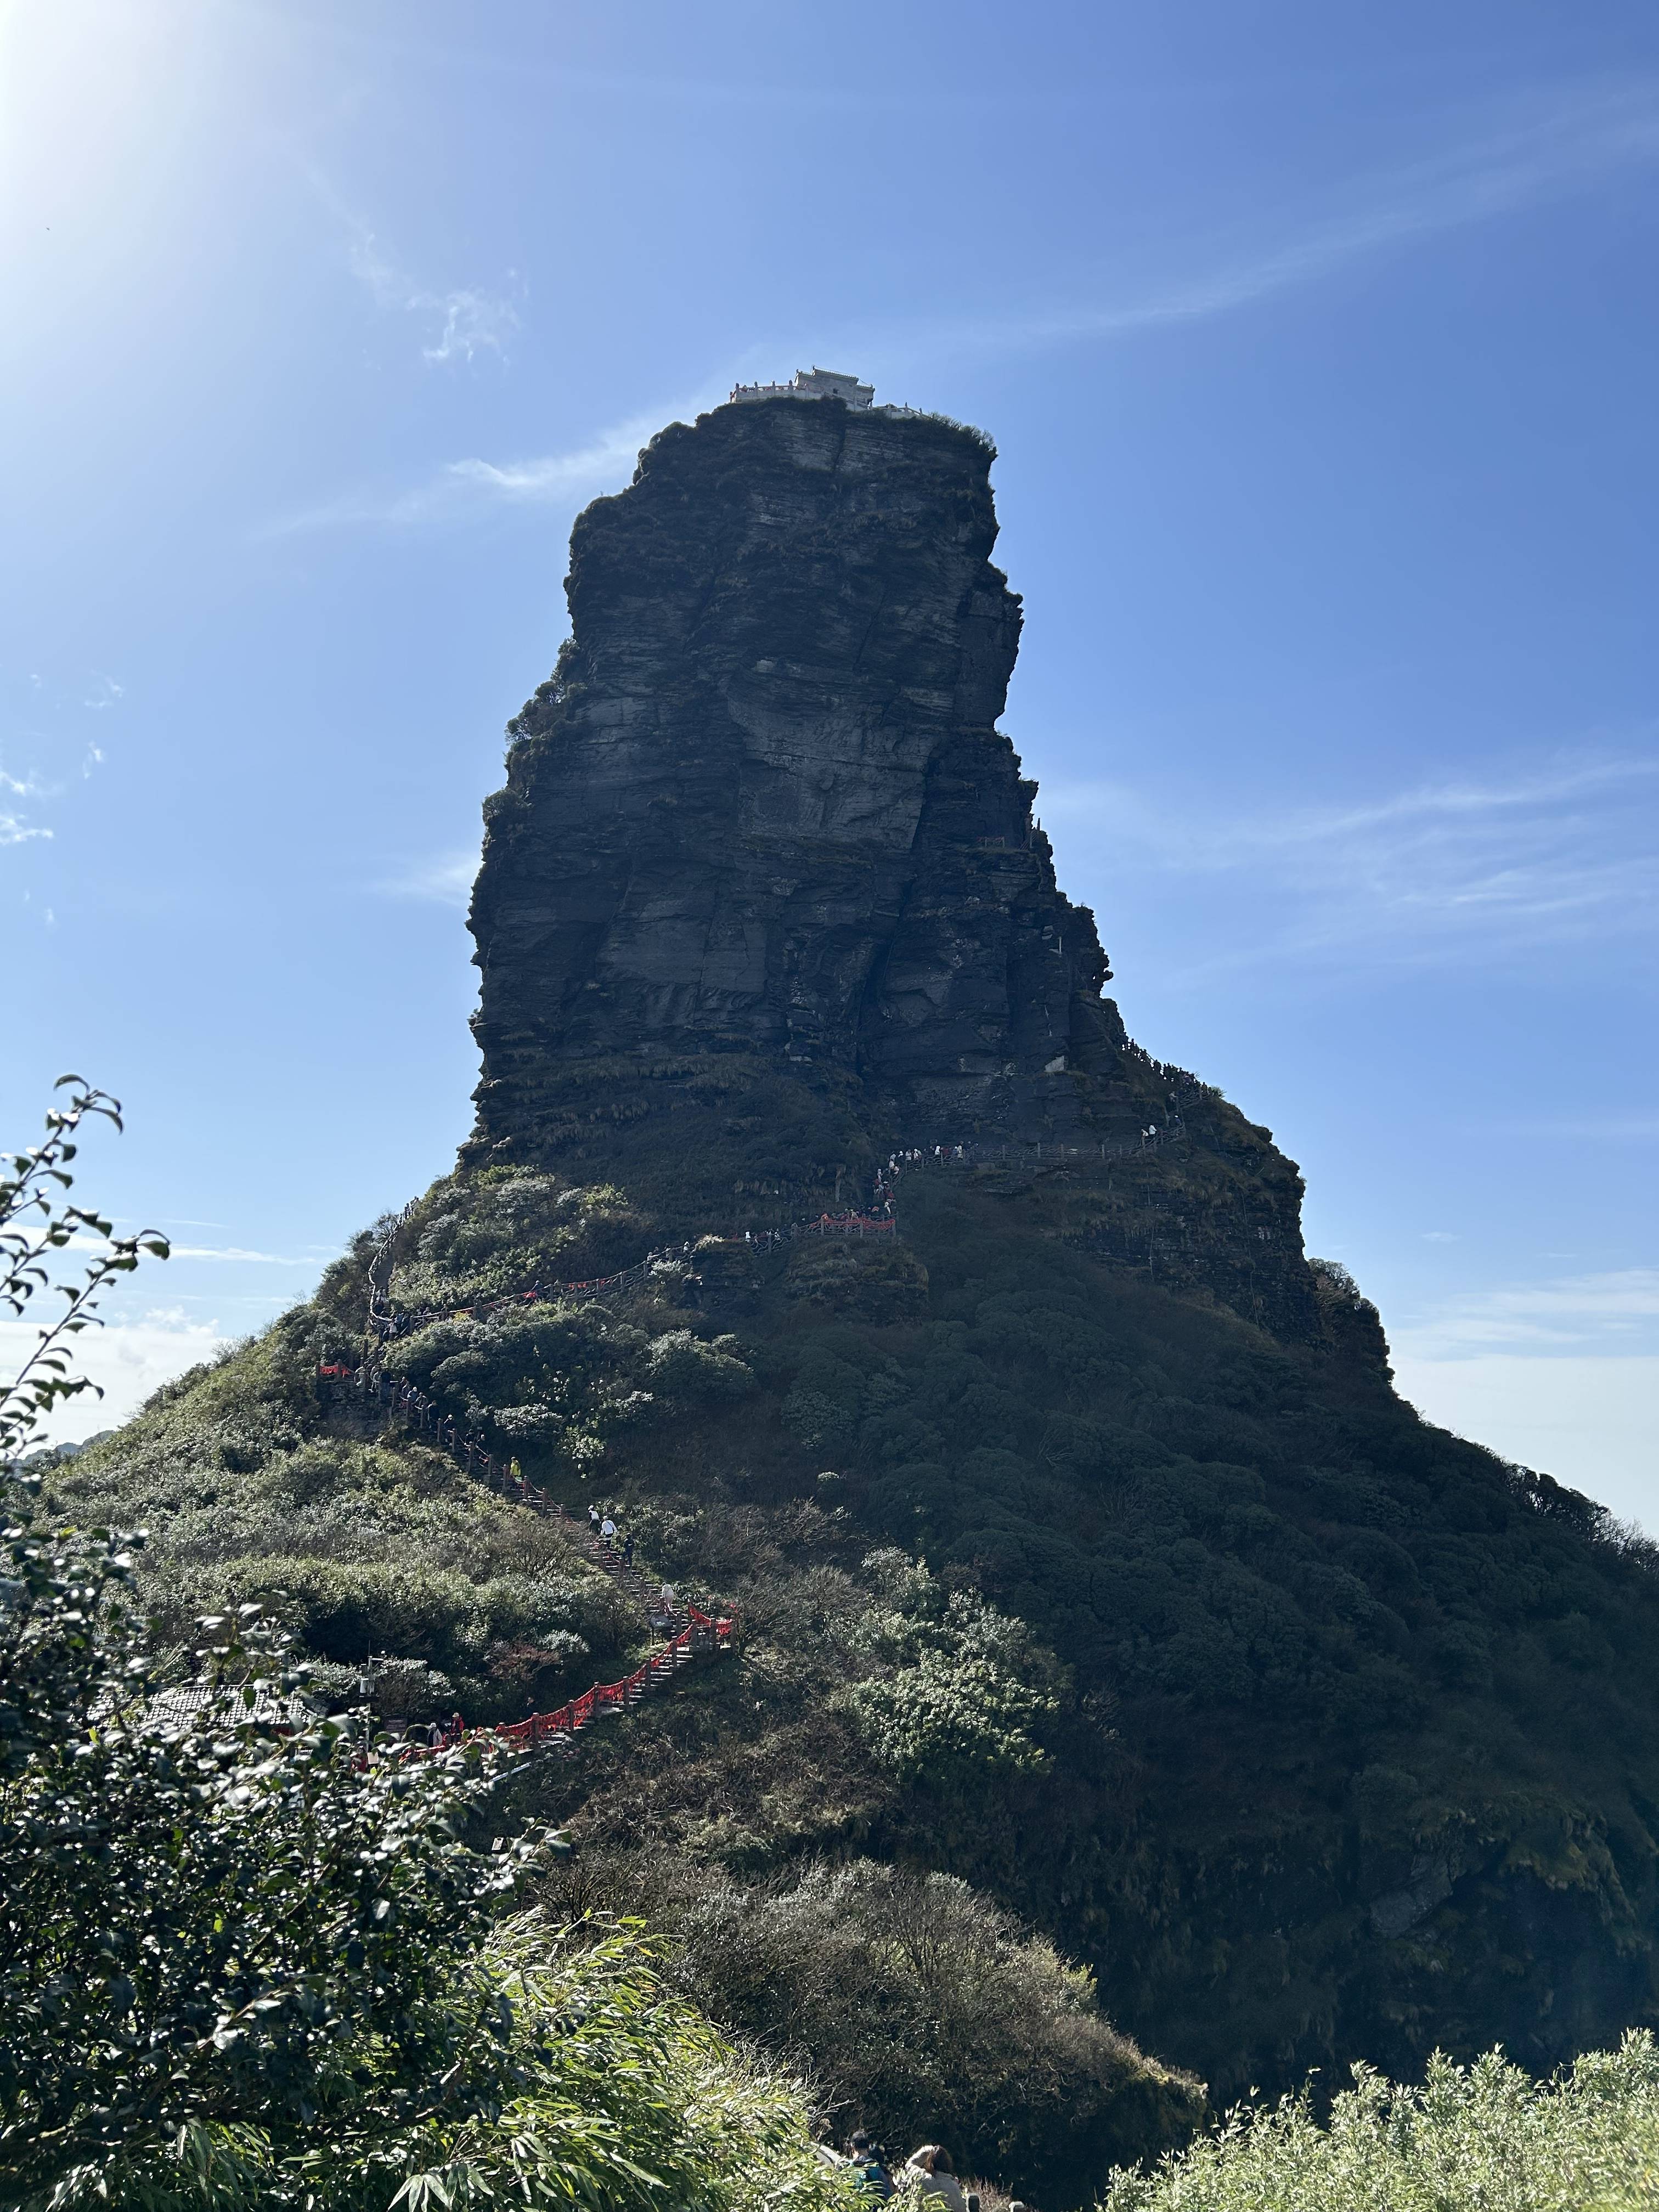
[{"x": 812, "y": 384}]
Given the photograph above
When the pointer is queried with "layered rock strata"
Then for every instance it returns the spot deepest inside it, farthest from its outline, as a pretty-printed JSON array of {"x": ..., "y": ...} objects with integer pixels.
[
  {"x": 764, "y": 859},
  {"x": 763, "y": 804}
]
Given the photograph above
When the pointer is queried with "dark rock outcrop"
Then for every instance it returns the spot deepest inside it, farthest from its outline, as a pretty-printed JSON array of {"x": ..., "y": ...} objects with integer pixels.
[
  {"x": 764, "y": 896},
  {"x": 1350, "y": 1751},
  {"x": 764, "y": 802}
]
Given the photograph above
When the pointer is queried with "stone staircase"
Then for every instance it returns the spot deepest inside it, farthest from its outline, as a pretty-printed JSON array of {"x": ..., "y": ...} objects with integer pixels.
[
  {"x": 692, "y": 1632},
  {"x": 645, "y": 1593}
]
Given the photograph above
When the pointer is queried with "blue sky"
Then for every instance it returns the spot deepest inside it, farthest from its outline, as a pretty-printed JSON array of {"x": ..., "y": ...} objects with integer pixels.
[{"x": 1318, "y": 341}]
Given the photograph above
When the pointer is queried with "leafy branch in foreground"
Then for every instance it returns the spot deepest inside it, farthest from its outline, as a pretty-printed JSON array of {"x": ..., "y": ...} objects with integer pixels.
[
  {"x": 630, "y": 2101},
  {"x": 247, "y": 1960},
  {"x": 213, "y": 1913},
  {"x": 37, "y": 1222},
  {"x": 250, "y": 1958}
]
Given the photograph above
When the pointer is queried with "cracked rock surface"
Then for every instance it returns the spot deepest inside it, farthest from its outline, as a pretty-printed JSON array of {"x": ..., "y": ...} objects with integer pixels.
[
  {"x": 765, "y": 806},
  {"x": 764, "y": 896}
]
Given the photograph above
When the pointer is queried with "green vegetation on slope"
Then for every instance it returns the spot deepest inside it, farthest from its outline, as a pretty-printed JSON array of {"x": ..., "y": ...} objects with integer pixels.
[
  {"x": 1354, "y": 1757},
  {"x": 912, "y": 1684},
  {"x": 919, "y": 2007},
  {"x": 1484, "y": 2139},
  {"x": 363, "y": 1549},
  {"x": 247, "y": 1963},
  {"x": 1315, "y": 1732}
]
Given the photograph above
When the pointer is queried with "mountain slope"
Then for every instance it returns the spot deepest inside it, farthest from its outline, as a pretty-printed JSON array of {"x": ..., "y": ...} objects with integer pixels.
[{"x": 1084, "y": 1552}]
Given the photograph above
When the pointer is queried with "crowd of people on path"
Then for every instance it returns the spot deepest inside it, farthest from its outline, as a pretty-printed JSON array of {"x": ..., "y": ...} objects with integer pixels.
[
  {"x": 917, "y": 1156},
  {"x": 602, "y": 1525},
  {"x": 663, "y": 1609},
  {"x": 390, "y": 1322},
  {"x": 1150, "y": 1139},
  {"x": 931, "y": 2170}
]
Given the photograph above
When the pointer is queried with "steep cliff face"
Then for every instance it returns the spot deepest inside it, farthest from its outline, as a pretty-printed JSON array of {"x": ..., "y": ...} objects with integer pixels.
[
  {"x": 764, "y": 896},
  {"x": 763, "y": 806},
  {"x": 1317, "y": 1733}
]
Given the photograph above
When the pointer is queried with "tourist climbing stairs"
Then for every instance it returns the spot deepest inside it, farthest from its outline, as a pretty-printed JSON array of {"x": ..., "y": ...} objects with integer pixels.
[{"x": 691, "y": 1631}]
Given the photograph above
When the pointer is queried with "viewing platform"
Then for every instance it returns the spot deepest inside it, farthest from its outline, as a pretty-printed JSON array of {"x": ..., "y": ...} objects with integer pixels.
[{"x": 810, "y": 384}]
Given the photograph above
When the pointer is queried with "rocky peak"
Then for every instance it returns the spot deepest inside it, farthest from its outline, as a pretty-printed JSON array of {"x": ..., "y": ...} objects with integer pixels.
[
  {"x": 763, "y": 807},
  {"x": 764, "y": 896}
]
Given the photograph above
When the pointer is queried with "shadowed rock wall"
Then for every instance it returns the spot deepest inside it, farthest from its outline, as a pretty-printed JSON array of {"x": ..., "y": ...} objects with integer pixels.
[
  {"x": 763, "y": 804},
  {"x": 764, "y": 896}
]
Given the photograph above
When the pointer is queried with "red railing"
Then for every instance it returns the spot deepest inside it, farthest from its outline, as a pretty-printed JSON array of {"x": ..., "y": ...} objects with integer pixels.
[{"x": 714, "y": 1630}]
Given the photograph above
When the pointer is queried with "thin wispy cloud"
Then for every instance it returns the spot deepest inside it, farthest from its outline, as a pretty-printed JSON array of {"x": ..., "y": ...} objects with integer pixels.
[
  {"x": 472, "y": 486},
  {"x": 1615, "y": 1313},
  {"x": 457, "y": 324},
  {"x": 1540, "y": 149},
  {"x": 1595, "y": 1129},
  {"x": 241, "y": 1254},
  {"x": 1566, "y": 853},
  {"x": 461, "y": 324},
  {"x": 169, "y": 1221},
  {"x": 448, "y": 880},
  {"x": 32, "y": 787},
  {"x": 237, "y": 1254},
  {"x": 17, "y": 827}
]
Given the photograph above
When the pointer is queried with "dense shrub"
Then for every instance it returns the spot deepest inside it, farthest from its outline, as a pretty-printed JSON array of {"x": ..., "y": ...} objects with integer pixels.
[
  {"x": 1484, "y": 2139},
  {"x": 562, "y": 1377},
  {"x": 566, "y": 1379},
  {"x": 363, "y": 1549},
  {"x": 962, "y": 1686},
  {"x": 483, "y": 1235},
  {"x": 347, "y": 1610},
  {"x": 925, "y": 2013},
  {"x": 628, "y": 2100},
  {"x": 874, "y": 1282},
  {"x": 680, "y": 1365}
]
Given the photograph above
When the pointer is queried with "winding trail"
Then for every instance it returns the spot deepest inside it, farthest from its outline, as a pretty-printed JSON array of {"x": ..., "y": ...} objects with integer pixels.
[
  {"x": 385, "y": 1319},
  {"x": 698, "y": 1630}
]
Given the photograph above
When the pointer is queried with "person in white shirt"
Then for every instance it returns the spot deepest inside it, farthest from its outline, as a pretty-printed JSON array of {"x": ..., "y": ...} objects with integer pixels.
[
  {"x": 608, "y": 1531},
  {"x": 934, "y": 2169}
]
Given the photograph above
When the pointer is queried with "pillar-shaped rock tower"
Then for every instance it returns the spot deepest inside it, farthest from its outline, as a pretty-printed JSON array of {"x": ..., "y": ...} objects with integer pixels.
[
  {"x": 764, "y": 897},
  {"x": 763, "y": 809}
]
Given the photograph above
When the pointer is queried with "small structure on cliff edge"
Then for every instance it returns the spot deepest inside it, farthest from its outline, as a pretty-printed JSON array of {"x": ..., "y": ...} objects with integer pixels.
[
  {"x": 810, "y": 384},
  {"x": 763, "y": 810},
  {"x": 764, "y": 897}
]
